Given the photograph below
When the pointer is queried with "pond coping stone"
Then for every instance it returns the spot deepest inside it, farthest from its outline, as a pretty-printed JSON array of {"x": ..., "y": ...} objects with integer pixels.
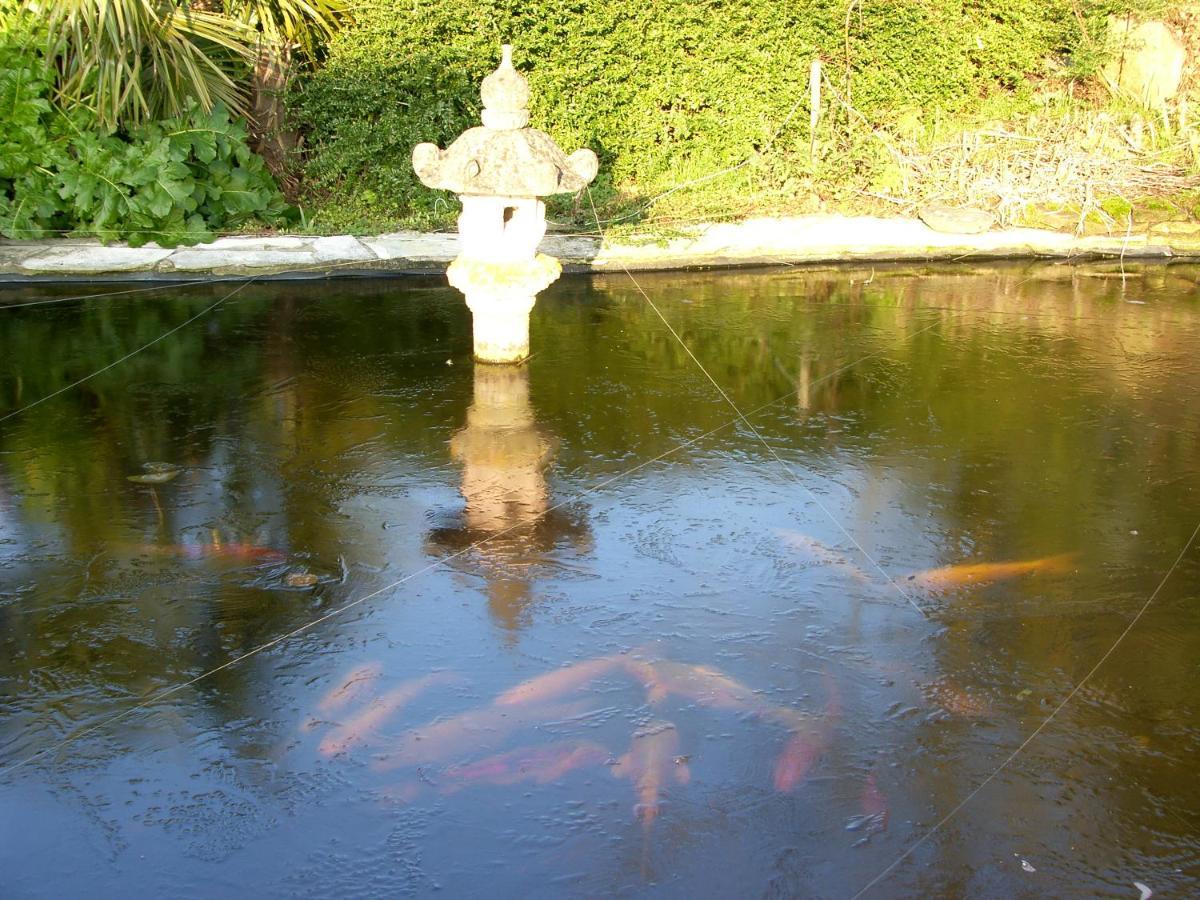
[{"x": 755, "y": 242}]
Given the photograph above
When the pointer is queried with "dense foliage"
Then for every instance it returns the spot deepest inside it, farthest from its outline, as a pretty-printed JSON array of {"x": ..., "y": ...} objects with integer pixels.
[
  {"x": 668, "y": 92},
  {"x": 173, "y": 181}
]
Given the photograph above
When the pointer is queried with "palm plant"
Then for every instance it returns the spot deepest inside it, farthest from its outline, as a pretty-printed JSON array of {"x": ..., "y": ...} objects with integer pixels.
[{"x": 131, "y": 61}]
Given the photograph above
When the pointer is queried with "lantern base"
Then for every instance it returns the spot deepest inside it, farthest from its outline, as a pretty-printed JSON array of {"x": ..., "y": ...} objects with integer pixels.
[{"x": 500, "y": 297}]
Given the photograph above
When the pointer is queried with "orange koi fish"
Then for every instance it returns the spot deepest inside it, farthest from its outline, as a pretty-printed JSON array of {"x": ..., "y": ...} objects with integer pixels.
[
  {"x": 561, "y": 681},
  {"x": 984, "y": 573},
  {"x": 707, "y": 687},
  {"x": 651, "y": 760},
  {"x": 541, "y": 765},
  {"x": 366, "y": 724},
  {"x": 821, "y": 555},
  {"x": 438, "y": 741}
]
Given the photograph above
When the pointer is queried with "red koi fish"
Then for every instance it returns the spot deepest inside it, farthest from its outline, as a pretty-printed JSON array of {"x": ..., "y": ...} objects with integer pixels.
[
  {"x": 237, "y": 551},
  {"x": 540, "y": 765},
  {"x": 652, "y": 760},
  {"x": 956, "y": 700},
  {"x": 984, "y": 573},
  {"x": 872, "y": 802},
  {"x": 364, "y": 726},
  {"x": 797, "y": 759},
  {"x": 353, "y": 685},
  {"x": 561, "y": 681},
  {"x": 806, "y": 747}
]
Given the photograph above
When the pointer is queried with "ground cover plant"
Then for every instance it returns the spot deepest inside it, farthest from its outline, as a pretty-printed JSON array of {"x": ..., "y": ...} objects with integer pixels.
[
  {"x": 138, "y": 119},
  {"x": 172, "y": 181},
  {"x": 672, "y": 94}
]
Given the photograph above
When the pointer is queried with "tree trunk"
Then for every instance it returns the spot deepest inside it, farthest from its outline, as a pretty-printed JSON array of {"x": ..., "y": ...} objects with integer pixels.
[{"x": 272, "y": 138}]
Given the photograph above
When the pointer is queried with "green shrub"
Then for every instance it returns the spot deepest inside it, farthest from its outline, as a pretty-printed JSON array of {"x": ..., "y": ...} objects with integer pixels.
[
  {"x": 177, "y": 181},
  {"x": 663, "y": 91}
]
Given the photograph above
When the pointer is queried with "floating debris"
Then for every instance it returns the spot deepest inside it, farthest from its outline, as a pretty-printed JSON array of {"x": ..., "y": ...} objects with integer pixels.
[
  {"x": 300, "y": 579},
  {"x": 156, "y": 473}
]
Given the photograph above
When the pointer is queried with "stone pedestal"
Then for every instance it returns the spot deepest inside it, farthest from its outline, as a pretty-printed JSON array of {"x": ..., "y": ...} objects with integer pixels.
[{"x": 500, "y": 296}]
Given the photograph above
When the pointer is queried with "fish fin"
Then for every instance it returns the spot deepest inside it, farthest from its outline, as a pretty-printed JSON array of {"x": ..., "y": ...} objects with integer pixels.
[{"x": 621, "y": 766}]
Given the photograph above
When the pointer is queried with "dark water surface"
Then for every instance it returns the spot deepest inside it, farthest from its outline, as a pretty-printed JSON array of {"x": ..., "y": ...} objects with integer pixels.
[{"x": 759, "y": 710}]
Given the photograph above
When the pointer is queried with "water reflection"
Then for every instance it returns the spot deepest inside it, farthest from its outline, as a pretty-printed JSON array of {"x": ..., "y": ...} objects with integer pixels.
[
  {"x": 508, "y": 512},
  {"x": 700, "y": 620}
]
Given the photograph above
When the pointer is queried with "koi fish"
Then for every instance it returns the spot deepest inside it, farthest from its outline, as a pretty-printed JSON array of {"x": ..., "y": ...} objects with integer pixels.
[
  {"x": 353, "y": 685},
  {"x": 798, "y": 757},
  {"x": 561, "y": 681},
  {"x": 872, "y": 802},
  {"x": 238, "y": 551},
  {"x": 822, "y": 555},
  {"x": 541, "y": 765},
  {"x": 366, "y": 724},
  {"x": 984, "y": 573},
  {"x": 955, "y": 700},
  {"x": 651, "y": 760},
  {"x": 708, "y": 687},
  {"x": 438, "y": 741},
  {"x": 806, "y": 747},
  {"x": 872, "y": 816}
]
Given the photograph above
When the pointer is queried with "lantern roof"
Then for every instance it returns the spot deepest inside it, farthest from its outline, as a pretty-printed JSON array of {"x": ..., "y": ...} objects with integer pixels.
[{"x": 503, "y": 156}]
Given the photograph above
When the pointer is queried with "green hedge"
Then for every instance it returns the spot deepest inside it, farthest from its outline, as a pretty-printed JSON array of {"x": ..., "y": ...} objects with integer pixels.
[{"x": 664, "y": 91}]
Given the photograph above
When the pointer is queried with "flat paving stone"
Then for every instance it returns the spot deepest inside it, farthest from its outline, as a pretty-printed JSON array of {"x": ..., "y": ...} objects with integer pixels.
[
  {"x": 413, "y": 245},
  {"x": 93, "y": 260},
  {"x": 247, "y": 262},
  {"x": 341, "y": 248}
]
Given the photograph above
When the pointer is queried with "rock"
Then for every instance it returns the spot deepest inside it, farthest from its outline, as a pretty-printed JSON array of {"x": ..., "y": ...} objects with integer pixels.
[
  {"x": 1149, "y": 63},
  {"x": 1050, "y": 217},
  {"x": 228, "y": 261},
  {"x": 93, "y": 259},
  {"x": 1179, "y": 236},
  {"x": 956, "y": 220}
]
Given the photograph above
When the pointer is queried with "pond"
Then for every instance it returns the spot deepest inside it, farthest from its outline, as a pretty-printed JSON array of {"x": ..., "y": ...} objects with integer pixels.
[{"x": 299, "y": 601}]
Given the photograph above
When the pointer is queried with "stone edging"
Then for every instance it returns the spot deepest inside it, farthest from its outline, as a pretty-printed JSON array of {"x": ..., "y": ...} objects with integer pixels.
[{"x": 805, "y": 239}]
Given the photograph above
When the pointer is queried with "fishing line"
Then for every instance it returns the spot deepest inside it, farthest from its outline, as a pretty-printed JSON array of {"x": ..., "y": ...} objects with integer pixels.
[
  {"x": 158, "y": 287},
  {"x": 742, "y": 417},
  {"x": 166, "y": 334},
  {"x": 128, "y": 355},
  {"x": 1045, "y": 722},
  {"x": 162, "y": 695}
]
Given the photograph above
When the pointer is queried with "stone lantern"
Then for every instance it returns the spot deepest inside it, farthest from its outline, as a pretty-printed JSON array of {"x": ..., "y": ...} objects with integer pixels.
[{"x": 499, "y": 171}]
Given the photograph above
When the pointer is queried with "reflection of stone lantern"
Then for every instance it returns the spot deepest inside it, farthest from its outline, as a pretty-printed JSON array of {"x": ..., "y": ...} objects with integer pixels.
[
  {"x": 499, "y": 170},
  {"x": 508, "y": 519}
]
